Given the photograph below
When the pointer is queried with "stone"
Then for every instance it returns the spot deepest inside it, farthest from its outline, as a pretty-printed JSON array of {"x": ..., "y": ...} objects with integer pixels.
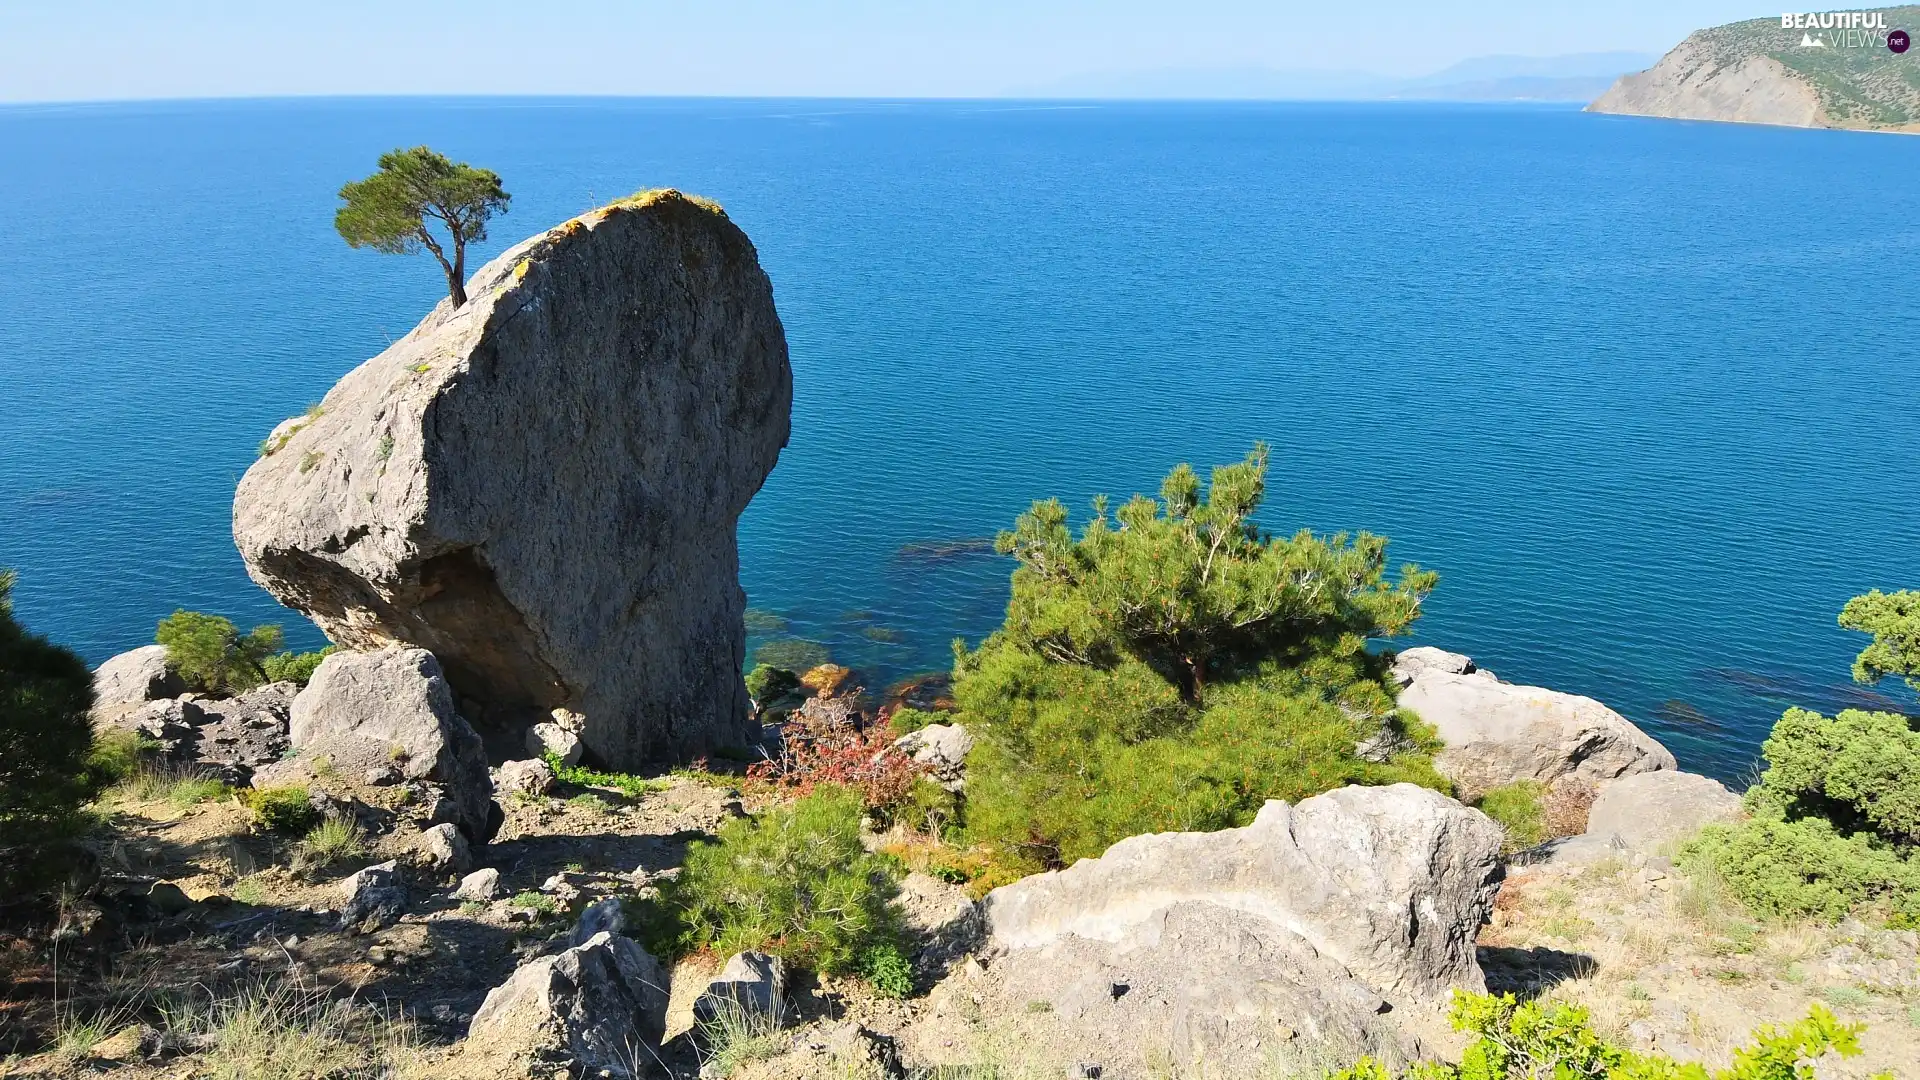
[
  {"x": 248, "y": 731},
  {"x": 942, "y": 748},
  {"x": 1410, "y": 663},
  {"x": 752, "y": 985},
  {"x": 170, "y": 721},
  {"x": 393, "y": 707},
  {"x": 605, "y": 916},
  {"x": 480, "y": 886},
  {"x": 865, "y": 1052},
  {"x": 1647, "y": 810},
  {"x": 1390, "y": 882},
  {"x": 131, "y": 679},
  {"x": 1496, "y": 733},
  {"x": 543, "y": 739},
  {"x": 382, "y": 776},
  {"x": 542, "y": 487},
  {"x": 528, "y": 779},
  {"x": 601, "y": 1005},
  {"x": 375, "y": 893},
  {"x": 446, "y": 849}
]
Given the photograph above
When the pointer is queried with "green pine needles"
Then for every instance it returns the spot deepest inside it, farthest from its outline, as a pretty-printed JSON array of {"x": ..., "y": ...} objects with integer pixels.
[{"x": 1173, "y": 668}]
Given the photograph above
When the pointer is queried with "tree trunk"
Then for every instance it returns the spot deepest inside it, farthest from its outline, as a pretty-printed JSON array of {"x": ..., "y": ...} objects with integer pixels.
[{"x": 457, "y": 273}]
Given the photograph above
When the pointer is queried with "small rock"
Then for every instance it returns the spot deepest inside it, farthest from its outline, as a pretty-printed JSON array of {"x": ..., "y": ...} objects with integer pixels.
[
  {"x": 608, "y": 916},
  {"x": 375, "y": 893},
  {"x": 383, "y": 775},
  {"x": 543, "y": 739},
  {"x": 481, "y": 885},
  {"x": 528, "y": 779},
  {"x": 1410, "y": 664},
  {"x": 128, "y": 1044},
  {"x": 865, "y": 1050},
  {"x": 166, "y": 898},
  {"x": 446, "y": 849},
  {"x": 1085, "y": 1070},
  {"x": 752, "y": 983}
]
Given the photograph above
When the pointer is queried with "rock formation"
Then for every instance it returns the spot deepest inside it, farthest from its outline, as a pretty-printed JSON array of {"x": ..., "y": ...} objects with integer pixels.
[
  {"x": 1650, "y": 809},
  {"x": 1496, "y": 733},
  {"x": 392, "y": 707},
  {"x": 1313, "y": 919},
  {"x": 128, "y": 681},
  {"x": 541, "y": 487},
  {"x": 597, "y": 1006}
]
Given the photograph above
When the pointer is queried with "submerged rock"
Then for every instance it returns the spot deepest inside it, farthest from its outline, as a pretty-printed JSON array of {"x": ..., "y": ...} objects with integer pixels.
[{"x": 542, "y": 486}]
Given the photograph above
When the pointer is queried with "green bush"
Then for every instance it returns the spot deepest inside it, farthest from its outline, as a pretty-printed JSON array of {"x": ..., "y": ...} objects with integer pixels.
[
  {"x": 1804, "y": 868},
  {"x": 210, "y": 654},
  {"x": 795, "y": 881},
  {"x": 1894, "y": 621},
  {"x": 580, "y": 776},
  {"x": 46, "y": 774},
  {"x": 768, "y": 684},
  {"x": 1526, "y": 1040},
  {"x": 888, "y": 970},
  {"x": 905, "y": 721},
  {"x": 1173, "y": 668},
  {"x": 282, "y": 809},
  {"x": 1521, "y": 809},
  {"x": 118, "y": 756},
  {"x": 293, "y": 667}
]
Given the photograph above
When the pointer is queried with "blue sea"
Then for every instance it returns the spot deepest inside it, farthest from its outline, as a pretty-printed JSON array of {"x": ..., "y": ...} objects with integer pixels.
[{"x": 1642, "y": 392}]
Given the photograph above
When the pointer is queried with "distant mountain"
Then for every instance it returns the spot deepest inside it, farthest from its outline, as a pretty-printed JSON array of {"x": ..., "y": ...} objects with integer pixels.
[
  {"x": 1574, "y": 77},
  {"x": 1760, "y": 72}
]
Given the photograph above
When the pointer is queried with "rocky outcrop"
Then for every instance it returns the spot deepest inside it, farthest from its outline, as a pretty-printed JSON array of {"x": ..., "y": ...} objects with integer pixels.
[
  {"x": 541, "y": 487},
  {"x": 1410, "y": 664},
  {"x": 1651, "y": 809},
  {"x": 1313, "y": 919},
  {"x": 132, "y": 679},
  {"x": 1496, "y": 733},
  {"x": 943, "y": 749},
  {"x": 1390, "y": 882},
  {"x": 1690, "y": 83},
  {"x": 393, "y": 707},
  {"x": 752, "y": 987},
  {"x": 598, "y": 1006}
]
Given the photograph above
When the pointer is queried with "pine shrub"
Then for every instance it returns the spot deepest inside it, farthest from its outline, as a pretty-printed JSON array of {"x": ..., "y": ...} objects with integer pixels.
[
  {"x": 210, "y": 654},
  {"x": 1520, "y": 808},
  {"x": 796, "y": 882},
  {"x": 46, "y": 737}
]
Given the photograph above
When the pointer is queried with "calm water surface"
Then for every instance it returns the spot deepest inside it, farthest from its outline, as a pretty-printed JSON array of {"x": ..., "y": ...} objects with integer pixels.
[{"x": 1641, "y": 391}]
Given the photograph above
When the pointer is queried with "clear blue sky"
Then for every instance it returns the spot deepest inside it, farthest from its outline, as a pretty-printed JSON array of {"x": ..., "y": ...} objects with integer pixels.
[{"x": 55, "y": 50}]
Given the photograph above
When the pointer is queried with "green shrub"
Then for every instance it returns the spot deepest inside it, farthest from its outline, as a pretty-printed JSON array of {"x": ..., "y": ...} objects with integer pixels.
[
  {"x": 1525, "y": 1040},
  {"x": 210, "y": 654},
  {"x": 1174, "y": 668},
  {"x": 333, "y": 841},
  {"x": 580, "y": 776},
  {"x": 293, "y": 667},
  {"x": 1894, "y": 621},
  {"x": 1521, "y": 809},
  {"x": 46, "y": 738},
  {"x": 796, "y": 882},
  {"x": 887, "y": 969},
  {"x": 905, "y": 721},
  {"x": 282, "y": 809},
  {"x": 1802, "y": 868},
  {"x": 118, "y": 756},
  {"x": 768, "y": 684}
]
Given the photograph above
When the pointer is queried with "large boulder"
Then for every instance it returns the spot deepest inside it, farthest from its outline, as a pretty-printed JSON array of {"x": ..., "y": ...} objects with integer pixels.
[
  {"x": 542, "y": 486},
  {"x": 393, "y": 707},
  {"x": 1314, "y": 919},
  {"x": 1496, "y": 733},
  {"x": 1649, "y": 809},
  {"x": 1392, "y": 882},
  {"x": 128, "y": 681},
  {"x": 598, "y": 1006}
]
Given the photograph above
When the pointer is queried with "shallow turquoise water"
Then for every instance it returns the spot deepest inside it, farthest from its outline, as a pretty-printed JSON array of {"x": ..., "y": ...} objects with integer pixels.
[{"x": 1643, "y": 392}]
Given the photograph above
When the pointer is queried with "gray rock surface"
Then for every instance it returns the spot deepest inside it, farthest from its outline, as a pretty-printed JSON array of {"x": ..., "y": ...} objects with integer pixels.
[
  {"x": 480, "y": 886},
  {"x": 942, "y": 748},
  {"x": 247, "y": 731},
  {"x": 376, "y": 893},
  {"x": 1496, "y": 733},
  {"x": 1316, "y": 921},
  {"x": 1651, "y": 809},
  {"x": 604, "y": 916},
  {"x": 1696, "y": 82},
  {"x": 131, "y": 679},
  {"x": 446, "y": 849},
  {"x": 1411, "y": 663},
  {"x": 392, "y": 706},
  {"x": 752, "y": 986},
  {"x": 528, "y": 779},
  {"x": 549, "y": 738},
  {"x": 542, "y": 486},
  {"x": 1392, "y": 883},
  {"x": 600, "y": 1005}
]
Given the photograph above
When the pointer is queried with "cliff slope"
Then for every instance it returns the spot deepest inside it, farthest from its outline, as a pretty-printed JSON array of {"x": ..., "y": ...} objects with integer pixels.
[{"x": 1760, "y": 72}]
